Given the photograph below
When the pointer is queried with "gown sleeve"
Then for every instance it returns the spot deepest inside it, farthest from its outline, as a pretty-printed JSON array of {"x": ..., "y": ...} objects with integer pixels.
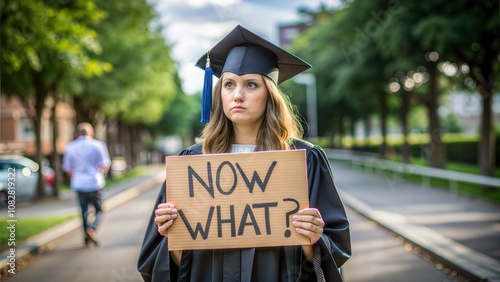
[{"x": 334, "y": 247}]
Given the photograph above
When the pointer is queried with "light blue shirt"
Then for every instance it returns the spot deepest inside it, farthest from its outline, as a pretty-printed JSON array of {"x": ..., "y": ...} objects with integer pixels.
[{"x": 84, "y": 157}]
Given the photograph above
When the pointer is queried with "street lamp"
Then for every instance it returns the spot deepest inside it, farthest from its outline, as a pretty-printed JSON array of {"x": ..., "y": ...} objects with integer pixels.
[{"x": 309, "y": 80}]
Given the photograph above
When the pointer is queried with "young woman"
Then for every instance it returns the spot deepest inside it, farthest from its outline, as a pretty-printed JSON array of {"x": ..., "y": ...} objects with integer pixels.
[{"x": 249, "y": 113}]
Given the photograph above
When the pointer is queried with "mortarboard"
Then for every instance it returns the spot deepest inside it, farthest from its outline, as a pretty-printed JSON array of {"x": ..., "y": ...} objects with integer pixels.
[{"x": 243, "y": 52}]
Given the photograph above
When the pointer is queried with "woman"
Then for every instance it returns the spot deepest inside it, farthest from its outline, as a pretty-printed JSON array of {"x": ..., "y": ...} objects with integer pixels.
[{"x": 249, "y": 113}]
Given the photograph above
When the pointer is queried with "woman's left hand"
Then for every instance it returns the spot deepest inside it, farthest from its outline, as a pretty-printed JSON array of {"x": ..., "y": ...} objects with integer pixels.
[{"x": 309, "y": 222}]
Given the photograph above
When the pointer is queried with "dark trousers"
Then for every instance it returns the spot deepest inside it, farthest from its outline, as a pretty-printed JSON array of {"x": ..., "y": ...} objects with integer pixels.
[{"x": 94, "y": 198}]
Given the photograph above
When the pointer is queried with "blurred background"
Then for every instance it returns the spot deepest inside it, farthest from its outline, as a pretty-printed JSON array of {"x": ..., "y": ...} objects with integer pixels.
[
  {"x": 403, "y": 96},
  {"x": 410, "y": 81}
]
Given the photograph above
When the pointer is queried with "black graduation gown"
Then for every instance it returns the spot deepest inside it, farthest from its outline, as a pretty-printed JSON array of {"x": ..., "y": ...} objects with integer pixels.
[{"x": 260, "y": 264}]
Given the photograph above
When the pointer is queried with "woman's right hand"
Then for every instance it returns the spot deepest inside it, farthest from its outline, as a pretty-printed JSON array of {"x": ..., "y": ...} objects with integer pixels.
[{"x": 164, "y": 217}]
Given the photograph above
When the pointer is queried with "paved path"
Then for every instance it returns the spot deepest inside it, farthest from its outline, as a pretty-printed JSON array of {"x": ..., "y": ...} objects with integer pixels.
[
  {"x": 453, "y": 226},
  {"x": 115, "y": 196},
  {"x": 386, "y": 213},
  {"x": 115, "y": 260},
  {"x": 378, "y": 255}
]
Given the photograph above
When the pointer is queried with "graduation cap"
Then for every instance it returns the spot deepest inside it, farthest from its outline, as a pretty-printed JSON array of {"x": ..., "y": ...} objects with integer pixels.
[{"x": 243, "y": 52}]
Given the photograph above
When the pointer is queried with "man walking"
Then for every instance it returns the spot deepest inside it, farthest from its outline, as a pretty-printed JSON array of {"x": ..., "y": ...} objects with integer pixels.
[{"x": 86, "y": 160}]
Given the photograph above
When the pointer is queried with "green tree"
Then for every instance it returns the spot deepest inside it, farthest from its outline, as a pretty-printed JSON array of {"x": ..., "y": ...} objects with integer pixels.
[
  {"x": 45, "y": 48},
  {"x": 351, "y": 72},
  {"x": 431, "y": 28},
  {"x": 390, "y": 27},
  {"x": 178, "y": 120},
  {"x": 317, "y": 46},
  {"x": 142, "y": 84}
]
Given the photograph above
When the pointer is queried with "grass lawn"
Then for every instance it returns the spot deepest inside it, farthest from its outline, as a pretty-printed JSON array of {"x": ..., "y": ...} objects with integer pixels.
[
  {"x": 474, "y": 169},
  {"x": 27, "y": 227}
]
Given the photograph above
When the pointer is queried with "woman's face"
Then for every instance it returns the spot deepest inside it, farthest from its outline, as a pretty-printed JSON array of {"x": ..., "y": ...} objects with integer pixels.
[{"x": 244, "y": 98}]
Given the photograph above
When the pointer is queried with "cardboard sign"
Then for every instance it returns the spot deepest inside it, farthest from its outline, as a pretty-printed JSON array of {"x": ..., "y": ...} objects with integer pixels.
[{"x": 236, "y": 200}]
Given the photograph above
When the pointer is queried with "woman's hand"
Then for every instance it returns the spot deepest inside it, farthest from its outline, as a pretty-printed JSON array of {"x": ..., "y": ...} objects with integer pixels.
[
  {"x": 309, "y": 222},
  {"x": 164, "y": 217}
]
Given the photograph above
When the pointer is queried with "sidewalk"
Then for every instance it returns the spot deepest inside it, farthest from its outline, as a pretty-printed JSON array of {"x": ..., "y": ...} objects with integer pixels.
[
  {"x": 66, "y": 204},
  {"x": 462, "y": 231}
]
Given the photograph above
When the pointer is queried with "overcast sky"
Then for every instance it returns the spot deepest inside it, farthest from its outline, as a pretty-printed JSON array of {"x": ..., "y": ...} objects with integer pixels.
[{"x": 194, "y": 26}]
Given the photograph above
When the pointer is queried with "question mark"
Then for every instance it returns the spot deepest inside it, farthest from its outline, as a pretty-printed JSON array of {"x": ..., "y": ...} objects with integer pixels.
[{"x": 288, "y": 233}]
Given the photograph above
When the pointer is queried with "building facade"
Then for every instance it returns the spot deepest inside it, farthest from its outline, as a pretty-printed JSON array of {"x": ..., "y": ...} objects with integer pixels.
[{"x": 17, "y": 133}]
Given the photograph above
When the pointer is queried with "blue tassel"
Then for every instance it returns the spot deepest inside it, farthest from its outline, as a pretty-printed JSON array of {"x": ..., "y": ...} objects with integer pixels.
[{"x": 206, "y": 103}]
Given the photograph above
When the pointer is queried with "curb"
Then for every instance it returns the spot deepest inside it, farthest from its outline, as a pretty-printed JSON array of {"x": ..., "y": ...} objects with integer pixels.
[
  {"x": 472, "y": 263},
  {"x": 35, "y": 244}
]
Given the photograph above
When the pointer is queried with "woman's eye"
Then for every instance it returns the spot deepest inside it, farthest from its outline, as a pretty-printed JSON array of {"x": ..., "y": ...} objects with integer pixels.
[
  {"x": 229, "y": 84},
  {"x": 252, "y": 85}
]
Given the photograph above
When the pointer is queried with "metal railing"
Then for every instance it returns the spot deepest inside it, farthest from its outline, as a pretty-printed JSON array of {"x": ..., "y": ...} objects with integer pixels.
[{"x": 399, "y": 168}]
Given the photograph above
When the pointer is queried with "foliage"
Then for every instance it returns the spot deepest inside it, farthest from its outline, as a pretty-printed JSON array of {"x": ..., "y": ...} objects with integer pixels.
[
  {"x": 44, "y": 42},
  {"x": 317, "y": 47},
  {"x": 360, "y": 49},
  {"x": 143, "y": 83},
  {"x": 46, "y": 49},
  {"x": 179, "y": 119},
  {"x": 451, "y": 123}
]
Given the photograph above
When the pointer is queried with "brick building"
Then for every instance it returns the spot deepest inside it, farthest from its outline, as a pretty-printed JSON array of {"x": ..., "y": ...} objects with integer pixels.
[{"x": 17, "y": 133}]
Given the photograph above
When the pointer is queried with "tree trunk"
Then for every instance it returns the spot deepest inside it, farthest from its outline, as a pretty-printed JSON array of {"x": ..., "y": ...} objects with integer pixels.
[
  {"x": 125, "y": 142},
  {"x": 111, "y": 138},
  {"x": 331, "y": 136},
  {"x": 405, "y": 109},
  {"x": 80, "y": 116},
  {"x": 134, "y": 135},
  {"x": 352, "y": 128},
  {"x": 85, "y": 112},
  {"x": 368, "y": 127},
  {"x": 55, "y": 163},
  {"x": 40, "y": 96},
  {"x": 42, "y": 90},
  {"x": 340, "y": 134},
  {"x": 435, "y": 150},
  {"x": 487, "y": 142},
  {"x": 383, "y": 123},
  {"x": 485, "y": 85}
]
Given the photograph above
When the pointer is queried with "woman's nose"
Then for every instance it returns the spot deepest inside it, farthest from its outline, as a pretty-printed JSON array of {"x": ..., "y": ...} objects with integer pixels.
[{"x": 238, "y": 94}]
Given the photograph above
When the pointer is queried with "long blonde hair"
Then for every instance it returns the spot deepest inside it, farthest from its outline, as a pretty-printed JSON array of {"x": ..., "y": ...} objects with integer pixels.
[{"x": 280, "y": 126}]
